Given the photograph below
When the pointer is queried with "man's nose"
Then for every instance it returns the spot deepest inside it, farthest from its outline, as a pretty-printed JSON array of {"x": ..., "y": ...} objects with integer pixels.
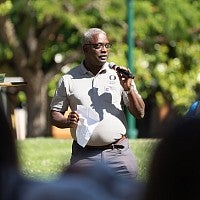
[{"x": 103, "y": 48}]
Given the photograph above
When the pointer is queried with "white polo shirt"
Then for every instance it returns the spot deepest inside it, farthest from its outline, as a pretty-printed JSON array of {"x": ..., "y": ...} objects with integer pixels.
[{"x": 103, "y": 93}]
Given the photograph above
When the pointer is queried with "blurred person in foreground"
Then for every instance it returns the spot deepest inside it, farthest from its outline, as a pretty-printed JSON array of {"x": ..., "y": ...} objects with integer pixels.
[
  {"x": 9, "y": 174},
  {"x": 95, "y": 182},
  {"x": 175, "y": 169},
  {"x": 96, "y": 93},
  {"x": 12, "y": 183}
]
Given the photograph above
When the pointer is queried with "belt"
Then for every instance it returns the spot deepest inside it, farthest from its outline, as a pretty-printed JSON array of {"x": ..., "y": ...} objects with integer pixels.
[{"x": 114, "y": 145}]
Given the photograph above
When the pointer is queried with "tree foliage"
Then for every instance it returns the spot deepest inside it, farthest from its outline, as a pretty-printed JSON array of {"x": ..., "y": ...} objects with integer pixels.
[
  {"x": 38, "y": 38},
  {"x": 167, "y": 52}
]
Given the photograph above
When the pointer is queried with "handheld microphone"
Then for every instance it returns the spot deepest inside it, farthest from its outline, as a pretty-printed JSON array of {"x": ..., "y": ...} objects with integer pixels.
[{"x": 122, "y": 71}]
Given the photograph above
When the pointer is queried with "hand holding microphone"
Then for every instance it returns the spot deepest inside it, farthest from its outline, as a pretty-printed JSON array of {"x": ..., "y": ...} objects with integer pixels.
[{"x": 122, "y": 71}]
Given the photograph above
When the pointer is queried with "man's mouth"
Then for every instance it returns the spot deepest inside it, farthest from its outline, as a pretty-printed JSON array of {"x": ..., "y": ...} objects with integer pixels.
[{"x": 103, "y": 57}]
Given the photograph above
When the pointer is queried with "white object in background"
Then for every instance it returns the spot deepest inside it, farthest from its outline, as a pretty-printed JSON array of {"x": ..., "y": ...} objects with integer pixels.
[{"x": 20, "y": 123}]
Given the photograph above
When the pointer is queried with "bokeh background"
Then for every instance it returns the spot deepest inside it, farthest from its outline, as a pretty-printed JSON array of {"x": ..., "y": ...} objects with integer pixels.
[{"x": 41, "y": 40}]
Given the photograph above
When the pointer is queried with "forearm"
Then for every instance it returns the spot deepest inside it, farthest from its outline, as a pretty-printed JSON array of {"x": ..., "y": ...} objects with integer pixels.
[
  {"x": 59, "y": 120},
  {"x": 136, "y": 104}
]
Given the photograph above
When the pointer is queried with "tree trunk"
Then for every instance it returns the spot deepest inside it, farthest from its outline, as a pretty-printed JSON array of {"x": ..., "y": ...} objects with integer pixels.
[{"x": 37, "y": 108}]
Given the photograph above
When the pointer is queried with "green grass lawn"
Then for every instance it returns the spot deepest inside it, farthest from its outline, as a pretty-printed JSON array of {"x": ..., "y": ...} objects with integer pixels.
[{"x": 44, "y": 158}]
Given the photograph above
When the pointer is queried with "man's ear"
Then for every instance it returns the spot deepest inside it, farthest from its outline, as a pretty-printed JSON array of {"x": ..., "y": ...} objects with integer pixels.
[{"x": 84, "y": 47}]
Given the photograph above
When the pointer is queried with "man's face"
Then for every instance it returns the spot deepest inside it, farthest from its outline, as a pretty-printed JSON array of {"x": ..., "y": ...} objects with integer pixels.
[{"x": 96, "y": 51}]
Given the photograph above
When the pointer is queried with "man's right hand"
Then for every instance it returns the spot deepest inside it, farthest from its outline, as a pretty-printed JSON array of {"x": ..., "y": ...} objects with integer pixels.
[
  {"x": 59, "y": 120},
  {"x": 72, "y": 119}
]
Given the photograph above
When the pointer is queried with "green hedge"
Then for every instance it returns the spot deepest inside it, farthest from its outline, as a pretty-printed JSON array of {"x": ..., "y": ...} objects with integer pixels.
[{"x": 44, "y": 158}]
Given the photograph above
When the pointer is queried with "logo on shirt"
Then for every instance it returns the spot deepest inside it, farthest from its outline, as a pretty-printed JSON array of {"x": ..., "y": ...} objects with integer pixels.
[{"x": 112, "y": 77}]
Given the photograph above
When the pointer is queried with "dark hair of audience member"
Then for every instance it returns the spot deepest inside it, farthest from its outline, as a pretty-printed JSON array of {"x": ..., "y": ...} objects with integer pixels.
[
  {"x": 175, "y": 168},
  {"x": 8, "y": 153}
]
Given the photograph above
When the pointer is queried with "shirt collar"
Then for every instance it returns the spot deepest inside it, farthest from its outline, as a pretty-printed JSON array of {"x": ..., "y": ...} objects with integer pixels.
[
  {"x": 83, "y": 69},
  {"x": 103, "y": 69}
]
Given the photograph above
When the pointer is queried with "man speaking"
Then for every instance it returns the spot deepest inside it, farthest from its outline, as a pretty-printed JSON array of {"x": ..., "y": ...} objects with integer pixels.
[{"x": 96, "y": 92}]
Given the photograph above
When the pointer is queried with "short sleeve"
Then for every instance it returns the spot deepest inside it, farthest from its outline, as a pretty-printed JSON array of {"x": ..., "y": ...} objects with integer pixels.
[{"x": 59, "y": 101}]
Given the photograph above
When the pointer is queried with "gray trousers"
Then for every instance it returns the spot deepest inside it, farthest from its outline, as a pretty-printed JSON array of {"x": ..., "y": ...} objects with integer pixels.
[{"x": 121, "y": 160}]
